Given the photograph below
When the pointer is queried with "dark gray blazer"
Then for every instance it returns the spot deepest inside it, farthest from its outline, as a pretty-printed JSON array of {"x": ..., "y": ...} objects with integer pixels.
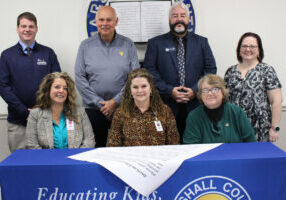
[{"x": 39, "y": 131}]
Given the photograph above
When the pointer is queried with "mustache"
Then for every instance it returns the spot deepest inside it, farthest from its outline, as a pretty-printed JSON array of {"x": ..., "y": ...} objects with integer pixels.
[
  {"x": 172, "y": 27},
  {"x": 179, "y": 22}
]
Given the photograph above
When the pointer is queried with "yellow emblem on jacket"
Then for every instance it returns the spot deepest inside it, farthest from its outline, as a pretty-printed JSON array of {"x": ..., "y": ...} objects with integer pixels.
[{"x": 121, "y": 53}]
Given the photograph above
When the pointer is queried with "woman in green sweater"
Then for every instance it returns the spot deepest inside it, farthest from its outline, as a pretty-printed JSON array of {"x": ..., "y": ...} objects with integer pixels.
[{"x": 216, "y": 120}]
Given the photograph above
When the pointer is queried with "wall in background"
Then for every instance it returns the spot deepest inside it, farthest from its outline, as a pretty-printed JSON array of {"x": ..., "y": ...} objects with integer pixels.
[{"x": 62, "y": 26}]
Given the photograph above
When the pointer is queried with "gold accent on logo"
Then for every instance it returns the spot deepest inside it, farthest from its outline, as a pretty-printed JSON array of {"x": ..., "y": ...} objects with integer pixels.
[{"x": 121, "y": 53}]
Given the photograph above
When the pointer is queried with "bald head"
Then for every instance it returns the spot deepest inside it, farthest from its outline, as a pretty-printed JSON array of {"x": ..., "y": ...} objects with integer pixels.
[
  {"x": 107, "y": 9},
  {"x": 106, "y": 21}
]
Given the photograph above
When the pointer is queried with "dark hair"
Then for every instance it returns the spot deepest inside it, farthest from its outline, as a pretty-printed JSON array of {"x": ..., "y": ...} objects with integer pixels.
[
  {"x": 27, "y": 15},
  {"x": 127, "y": 104},
  {"x": 259, "y": 43}
]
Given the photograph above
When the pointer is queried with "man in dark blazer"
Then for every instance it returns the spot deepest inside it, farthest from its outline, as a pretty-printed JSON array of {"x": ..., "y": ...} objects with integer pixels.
[{"x": 177, "y": 60}]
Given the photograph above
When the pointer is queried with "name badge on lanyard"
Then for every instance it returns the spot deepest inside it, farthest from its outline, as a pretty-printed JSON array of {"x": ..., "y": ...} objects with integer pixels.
[
  {"x": 70, "y": 125},
  {"x": 158, "y": 125}
]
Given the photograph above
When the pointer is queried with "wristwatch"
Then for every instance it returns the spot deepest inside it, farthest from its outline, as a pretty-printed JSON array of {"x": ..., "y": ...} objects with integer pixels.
[{"x": 275, "y": 128}]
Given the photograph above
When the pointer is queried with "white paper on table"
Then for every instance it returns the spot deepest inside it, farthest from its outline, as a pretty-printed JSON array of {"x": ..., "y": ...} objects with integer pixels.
[{"x": 144, "y": 168}]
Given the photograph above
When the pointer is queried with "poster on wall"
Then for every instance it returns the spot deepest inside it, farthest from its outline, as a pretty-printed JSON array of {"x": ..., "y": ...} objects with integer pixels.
[{"x": 138, "y": 20}]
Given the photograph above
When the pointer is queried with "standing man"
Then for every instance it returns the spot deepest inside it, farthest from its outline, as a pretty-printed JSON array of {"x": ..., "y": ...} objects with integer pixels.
[
  {"x": 22, "y": 68},
  {"x": 177, "y": 60},
  {"x": 102, "y": 65}
]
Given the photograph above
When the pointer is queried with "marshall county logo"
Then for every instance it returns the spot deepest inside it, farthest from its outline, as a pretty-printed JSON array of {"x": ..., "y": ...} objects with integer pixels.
[
  {"x": 96, "y": 4},
  {"x": 213, "y": 188}
]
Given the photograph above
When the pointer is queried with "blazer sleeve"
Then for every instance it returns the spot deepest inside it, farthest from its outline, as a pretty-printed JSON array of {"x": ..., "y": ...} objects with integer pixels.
[
  {"x": 31, "y": 137},
  {"x": 150, "y": 63},
  {"x": 209, "y": 65},
  {"x": 88, "y": 140}
]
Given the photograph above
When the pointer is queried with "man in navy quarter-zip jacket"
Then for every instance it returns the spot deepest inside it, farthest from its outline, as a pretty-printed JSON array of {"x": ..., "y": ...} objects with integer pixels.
[{"x": 22, "y": 68}]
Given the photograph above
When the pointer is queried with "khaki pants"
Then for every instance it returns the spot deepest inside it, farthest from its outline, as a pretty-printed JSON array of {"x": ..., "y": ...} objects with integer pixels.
[{"x": 16, "y": 136}]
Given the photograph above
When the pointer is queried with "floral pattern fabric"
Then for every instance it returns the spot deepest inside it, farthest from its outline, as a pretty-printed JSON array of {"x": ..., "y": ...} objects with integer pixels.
[{"x": 250, "y": 93}]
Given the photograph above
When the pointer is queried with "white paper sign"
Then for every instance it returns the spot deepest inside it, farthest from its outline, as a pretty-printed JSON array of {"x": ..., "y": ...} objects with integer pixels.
[{"x": 144, "y": 168}]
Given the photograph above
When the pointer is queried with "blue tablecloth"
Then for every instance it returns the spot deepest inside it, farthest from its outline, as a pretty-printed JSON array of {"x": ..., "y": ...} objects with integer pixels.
[{"x": 243, "y": 171}]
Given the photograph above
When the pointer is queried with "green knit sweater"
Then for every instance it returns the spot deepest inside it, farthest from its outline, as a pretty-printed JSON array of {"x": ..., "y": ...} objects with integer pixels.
[{"x": 233, "y": 127}]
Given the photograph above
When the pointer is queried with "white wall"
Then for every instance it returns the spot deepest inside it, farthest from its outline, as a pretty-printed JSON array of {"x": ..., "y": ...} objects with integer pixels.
[{"x": 62, "y": 25}]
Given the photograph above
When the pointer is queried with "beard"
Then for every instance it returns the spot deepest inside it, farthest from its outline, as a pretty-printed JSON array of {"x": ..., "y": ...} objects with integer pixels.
[{"x": 179, "y": 30}]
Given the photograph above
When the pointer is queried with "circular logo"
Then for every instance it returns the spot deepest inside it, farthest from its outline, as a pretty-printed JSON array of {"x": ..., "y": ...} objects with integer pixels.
[
  {"x": 96, "y": 4},
  {"x": 213, "y": 188}
]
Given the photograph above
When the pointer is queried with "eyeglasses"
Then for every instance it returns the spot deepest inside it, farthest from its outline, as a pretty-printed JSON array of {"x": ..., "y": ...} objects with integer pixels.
[
  {"x": 212, "y": 90},
  {"x": 252, "y": 47}
]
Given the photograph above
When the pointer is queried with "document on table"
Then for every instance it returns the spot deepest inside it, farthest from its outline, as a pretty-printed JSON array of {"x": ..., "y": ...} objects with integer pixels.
[
  {"x": 144, "y": 168},
  {"x": 141, "y": 21}
]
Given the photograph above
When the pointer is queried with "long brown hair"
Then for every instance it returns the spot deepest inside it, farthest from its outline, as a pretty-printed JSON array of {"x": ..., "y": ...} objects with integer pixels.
[
  {"x": 43, "y": 100},
  {"x": 127, "y": 106}
]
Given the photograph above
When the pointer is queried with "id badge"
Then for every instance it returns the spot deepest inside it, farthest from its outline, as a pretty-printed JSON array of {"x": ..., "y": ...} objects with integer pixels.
[
  {"x": 158, "y": 125},
  {"x": 70, "y": 125}
]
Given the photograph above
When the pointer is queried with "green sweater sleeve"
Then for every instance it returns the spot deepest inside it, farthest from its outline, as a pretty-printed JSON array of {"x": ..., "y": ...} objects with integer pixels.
[{"x": 192, "y": 133}]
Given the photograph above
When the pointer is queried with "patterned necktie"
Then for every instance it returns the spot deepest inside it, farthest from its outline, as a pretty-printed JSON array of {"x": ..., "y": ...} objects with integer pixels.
[
  {"x": 29, "y": 50},
  {"x": 181, "y": 61}
]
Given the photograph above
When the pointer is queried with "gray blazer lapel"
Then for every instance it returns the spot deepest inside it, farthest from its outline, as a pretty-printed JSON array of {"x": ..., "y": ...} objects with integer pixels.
[{"x": 47, "y": 115}]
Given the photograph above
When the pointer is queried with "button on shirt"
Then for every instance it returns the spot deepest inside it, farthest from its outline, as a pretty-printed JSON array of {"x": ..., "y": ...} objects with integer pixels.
[{"x": 60, "y": 133}]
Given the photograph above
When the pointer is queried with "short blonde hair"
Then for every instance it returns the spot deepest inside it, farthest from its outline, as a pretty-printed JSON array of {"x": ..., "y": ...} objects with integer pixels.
[{"x": 216, "y": 81}]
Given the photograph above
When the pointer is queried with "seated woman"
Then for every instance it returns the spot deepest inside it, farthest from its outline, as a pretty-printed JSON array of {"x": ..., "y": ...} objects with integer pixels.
[
  {"x": 55, "y": 121},
  {"x": 216, "y": 121},
  {"x": 142, "y": 118}
]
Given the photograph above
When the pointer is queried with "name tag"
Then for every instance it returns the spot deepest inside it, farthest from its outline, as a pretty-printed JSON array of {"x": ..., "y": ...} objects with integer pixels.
[
  {"x": 70, "y": 125},
  {"x": 41, "y": 62},
  {"x": 170, "y": 49},
  {"x": 158, "y": 125}
]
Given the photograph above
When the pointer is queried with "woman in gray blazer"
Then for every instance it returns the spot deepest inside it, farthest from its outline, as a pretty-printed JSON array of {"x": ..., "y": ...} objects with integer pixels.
[{"x": 56, "y": 121}]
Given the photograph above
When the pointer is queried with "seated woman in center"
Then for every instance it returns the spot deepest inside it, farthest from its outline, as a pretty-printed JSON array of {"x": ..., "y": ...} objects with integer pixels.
[
  {"x": 56, "y": 121},
  {"x": 142, "y": 118},
  {"x": 216, "y": 120}
]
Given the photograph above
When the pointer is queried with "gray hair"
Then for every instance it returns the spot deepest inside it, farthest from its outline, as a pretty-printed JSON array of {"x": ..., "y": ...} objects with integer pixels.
[{"x": 179, "y": 4}]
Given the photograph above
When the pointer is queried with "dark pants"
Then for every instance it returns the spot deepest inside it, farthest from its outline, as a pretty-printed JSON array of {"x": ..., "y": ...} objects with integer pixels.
[
  {"x": 100, "y": 125},
  {"x": 181, "y": 116}
]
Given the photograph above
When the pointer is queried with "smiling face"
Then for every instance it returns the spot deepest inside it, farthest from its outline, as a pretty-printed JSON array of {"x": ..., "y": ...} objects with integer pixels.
[
  {"x": 58, "y": 91},
  {"x": 106, "y": 21},
  {"x": 212, "y": 96},
  {"x": 140, "y": 90},
  {"x": 179, "y": 21},
  {"x": 249, "y": 49},
  {"x": 27, "y": 31}
]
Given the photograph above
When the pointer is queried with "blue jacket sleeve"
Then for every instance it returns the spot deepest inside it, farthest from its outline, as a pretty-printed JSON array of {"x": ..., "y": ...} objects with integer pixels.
[
  {"x": 55, "y": 66},
  {"x": 6, "y": 91}
]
